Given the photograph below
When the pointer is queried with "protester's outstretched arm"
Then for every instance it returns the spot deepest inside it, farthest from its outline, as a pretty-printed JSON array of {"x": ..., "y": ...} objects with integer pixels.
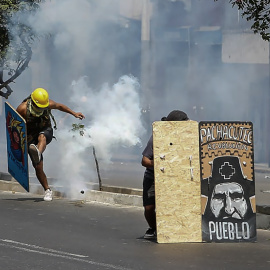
[{"x": 64, "y": 108}]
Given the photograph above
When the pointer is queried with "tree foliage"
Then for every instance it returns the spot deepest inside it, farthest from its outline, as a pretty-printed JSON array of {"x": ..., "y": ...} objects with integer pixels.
[
  {"x": 257, "y": 11},
  {"x": 15, "y": 40}
]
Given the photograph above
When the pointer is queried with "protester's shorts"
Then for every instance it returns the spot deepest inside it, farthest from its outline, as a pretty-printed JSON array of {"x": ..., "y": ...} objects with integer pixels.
[
  {"x": 148, "y": 189},
  {"x": 48, "y": 133}
]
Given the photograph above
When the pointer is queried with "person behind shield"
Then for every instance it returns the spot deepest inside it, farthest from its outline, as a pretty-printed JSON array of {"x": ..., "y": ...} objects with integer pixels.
[
  {"x": 148, "y": 180},
  {"x": 36, "y": 110}
]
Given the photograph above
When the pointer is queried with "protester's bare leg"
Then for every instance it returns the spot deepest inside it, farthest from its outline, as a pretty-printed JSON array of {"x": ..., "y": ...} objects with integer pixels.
[
  {"x": 41, "y": 143},
  {"x": 41, "y": 176},
  {"x": 150, "y": 215}
]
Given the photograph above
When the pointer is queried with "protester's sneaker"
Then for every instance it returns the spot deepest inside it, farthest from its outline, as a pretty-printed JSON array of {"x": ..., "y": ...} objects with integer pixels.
[
  {"x": 150, "y": 234},
  {"x": 35, "y": 154},
  {"x": 48, "y": 195}
]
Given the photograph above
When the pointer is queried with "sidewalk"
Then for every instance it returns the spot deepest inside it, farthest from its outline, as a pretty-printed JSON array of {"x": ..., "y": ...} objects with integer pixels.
[{"x": 130, "y": 196}]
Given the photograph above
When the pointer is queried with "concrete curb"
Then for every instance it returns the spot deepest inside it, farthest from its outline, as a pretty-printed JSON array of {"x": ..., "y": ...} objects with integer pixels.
[
  {"x": 122, "y": 190},
  {"x": 113, "y": 198},
  {"x": 109, "y": 194},
  {"x": 263, "y": 209}
]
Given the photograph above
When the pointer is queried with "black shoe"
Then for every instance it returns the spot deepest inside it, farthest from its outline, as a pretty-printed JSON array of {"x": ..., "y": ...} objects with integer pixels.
[{"x": 150, "y": 234}]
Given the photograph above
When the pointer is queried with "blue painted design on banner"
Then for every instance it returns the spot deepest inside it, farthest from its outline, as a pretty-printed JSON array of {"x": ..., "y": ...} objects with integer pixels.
[{"x": 17, "y": 147}]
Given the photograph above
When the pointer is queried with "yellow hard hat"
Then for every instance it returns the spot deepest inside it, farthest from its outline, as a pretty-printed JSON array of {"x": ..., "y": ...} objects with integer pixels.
[{"x": 40, "y": 97}]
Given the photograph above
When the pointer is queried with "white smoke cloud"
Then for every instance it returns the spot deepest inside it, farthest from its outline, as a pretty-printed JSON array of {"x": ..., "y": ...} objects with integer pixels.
[
  {"x": 113, "y": 119},
  {"x": 78, "y": 47},
  {"x": 114, "y": 111},
  {"x": 70, "y": 40},
  {"x": 73, "y": 26}
]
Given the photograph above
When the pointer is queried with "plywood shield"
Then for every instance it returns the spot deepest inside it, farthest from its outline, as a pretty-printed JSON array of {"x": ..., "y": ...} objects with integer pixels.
[
  {"x": 227, "y": 181},
  {"x": 177, "y": 181}
]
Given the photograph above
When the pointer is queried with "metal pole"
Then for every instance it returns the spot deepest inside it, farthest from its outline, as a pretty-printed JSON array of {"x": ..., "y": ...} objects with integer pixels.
[{"x": 145, "y": 61}]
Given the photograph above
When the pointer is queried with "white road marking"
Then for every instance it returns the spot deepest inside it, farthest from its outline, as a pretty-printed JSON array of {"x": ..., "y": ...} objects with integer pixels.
[
  {"x": 55, "y": 253},
  {"x": 42, "y": 248}
]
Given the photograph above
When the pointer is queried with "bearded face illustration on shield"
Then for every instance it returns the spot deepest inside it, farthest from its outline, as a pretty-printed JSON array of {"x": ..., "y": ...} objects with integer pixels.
[{"x": 228, "y": 200}]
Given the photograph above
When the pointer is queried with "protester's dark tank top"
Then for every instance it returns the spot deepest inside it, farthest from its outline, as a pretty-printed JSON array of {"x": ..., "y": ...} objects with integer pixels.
[{"x": 35, "y": 124}]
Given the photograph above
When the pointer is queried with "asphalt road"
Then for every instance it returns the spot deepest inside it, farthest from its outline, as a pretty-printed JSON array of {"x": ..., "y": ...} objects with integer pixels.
[{"x": 62, "y": 234}]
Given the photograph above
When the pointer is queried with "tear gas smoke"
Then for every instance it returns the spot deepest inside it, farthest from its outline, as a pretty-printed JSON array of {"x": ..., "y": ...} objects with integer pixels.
[
  {"x": 114, "y": 112},
  {"x": 113, "y": 119},
  {"x": 87, "y": 38}
]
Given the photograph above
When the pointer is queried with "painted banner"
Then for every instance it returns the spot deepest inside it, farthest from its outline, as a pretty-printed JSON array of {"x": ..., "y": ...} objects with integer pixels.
[
  {"x": 227, "y": 182},
  {"x": 17, "y": 146}
]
